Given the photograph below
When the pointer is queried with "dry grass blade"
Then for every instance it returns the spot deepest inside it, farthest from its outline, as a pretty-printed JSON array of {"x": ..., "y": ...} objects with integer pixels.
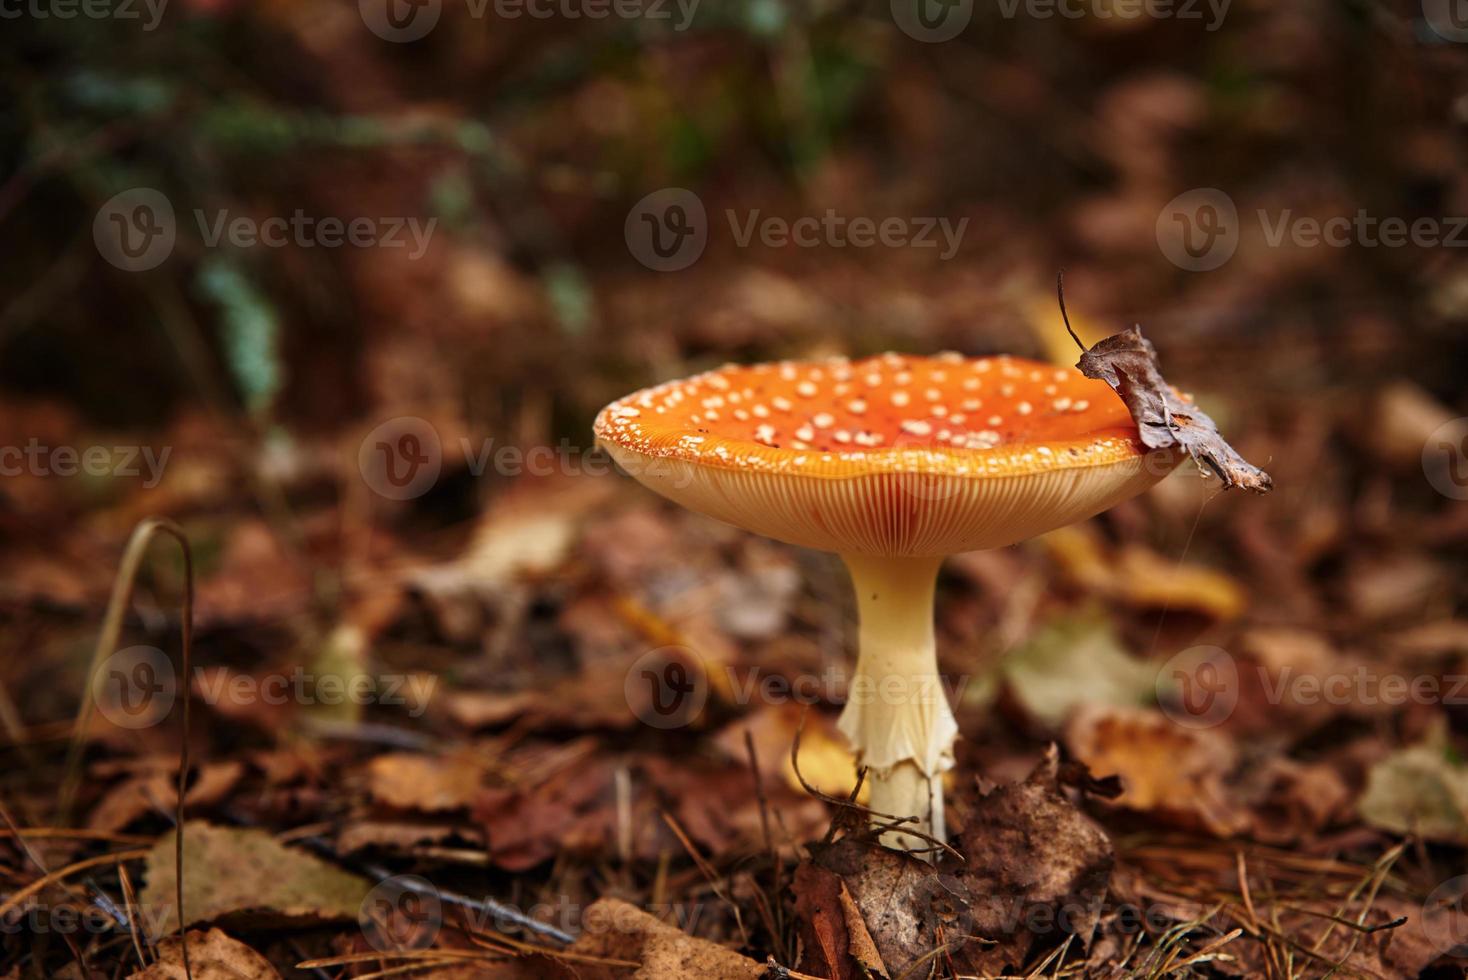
[
  {"x": 122, "y": 589},
  {"x": 18, "y": 897},
  {"x": 130, "y": 900},
  {"x": 707, "y": 870}
]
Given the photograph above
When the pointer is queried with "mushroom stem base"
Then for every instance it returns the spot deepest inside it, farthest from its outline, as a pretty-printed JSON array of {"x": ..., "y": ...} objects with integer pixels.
[
  {"x": 905, "y": 790},
  {"x": 897, "y": 716}
]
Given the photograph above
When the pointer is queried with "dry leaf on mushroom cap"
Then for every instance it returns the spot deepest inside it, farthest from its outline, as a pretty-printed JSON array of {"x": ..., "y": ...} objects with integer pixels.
[{"x": 1165, "y": 419}]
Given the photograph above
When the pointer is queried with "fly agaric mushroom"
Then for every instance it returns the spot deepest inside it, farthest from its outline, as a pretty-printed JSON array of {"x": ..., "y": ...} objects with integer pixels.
[{"x": 892, "y": 462}]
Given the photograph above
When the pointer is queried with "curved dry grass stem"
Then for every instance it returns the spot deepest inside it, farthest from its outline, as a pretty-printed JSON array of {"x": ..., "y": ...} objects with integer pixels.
[
  {"x": 888, "y": 821},
  {"x": 122, "y": 590}
]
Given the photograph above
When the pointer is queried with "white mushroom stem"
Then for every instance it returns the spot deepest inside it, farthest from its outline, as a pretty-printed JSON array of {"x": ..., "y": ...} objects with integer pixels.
[{"x": 897, "y": 715}]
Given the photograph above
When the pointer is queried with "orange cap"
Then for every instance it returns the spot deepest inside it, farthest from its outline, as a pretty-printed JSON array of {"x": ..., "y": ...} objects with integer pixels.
[{"x": 892, "y": 455}]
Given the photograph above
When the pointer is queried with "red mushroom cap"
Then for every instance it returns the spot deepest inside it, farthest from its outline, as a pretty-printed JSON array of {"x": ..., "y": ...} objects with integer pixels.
[{"x": 891, "y": 455}]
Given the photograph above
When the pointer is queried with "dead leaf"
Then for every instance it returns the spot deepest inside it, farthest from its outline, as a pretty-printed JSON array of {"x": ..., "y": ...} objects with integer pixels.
[
  {"x": 1128, "y": 363},
  {"x": 410, "y": 781},
  {"x": 824, "y": 935},
  {"x": 402, "y": 836},
  {"x": 613, "y": 929},
  {"x": 1141, "y": 578},
  {"x": 909, "y": 908},
  {"x": 1075, "y": 661},
  {"x": 1299, "y": 800},
  {"x": 1173, "y": 772},
  {"x": 230, "y": 871},
  {"x": 826, "y": 759},
  {"x": 1028, "y": 846},
  {"x": 157, "y": 793},
  {"x": 212, "y": 956},
  {"x": 527, "y": 825},
  {"x": 1419, "y": 790}
]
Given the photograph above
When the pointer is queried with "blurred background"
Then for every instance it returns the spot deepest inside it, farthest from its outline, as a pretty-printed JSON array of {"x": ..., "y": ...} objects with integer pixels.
[{"x": 340, "y": 287}]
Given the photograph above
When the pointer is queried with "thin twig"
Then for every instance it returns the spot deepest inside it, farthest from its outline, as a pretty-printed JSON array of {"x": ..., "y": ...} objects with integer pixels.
[
  {"x": 1060, "y": 294},
  {"x": 888, "y": 822}
]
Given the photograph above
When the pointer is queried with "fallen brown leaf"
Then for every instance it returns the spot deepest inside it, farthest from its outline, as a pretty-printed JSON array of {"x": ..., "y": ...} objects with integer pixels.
[
  {"x": 212, "y": 956},
  {"x": 1173, "y": 772},
  {"x": 613, "y": 929},
  {"x": 914, "y": 915},
  {"x": 410, "y": 781},
  {"x": 1027, "y": 846},
  {"x": 230, "y": 871},
  {"x": 1128, "y": 363}
]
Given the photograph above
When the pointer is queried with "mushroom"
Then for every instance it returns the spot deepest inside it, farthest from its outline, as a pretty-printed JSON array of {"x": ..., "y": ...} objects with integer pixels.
[{"x": 892, "y": 462}]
